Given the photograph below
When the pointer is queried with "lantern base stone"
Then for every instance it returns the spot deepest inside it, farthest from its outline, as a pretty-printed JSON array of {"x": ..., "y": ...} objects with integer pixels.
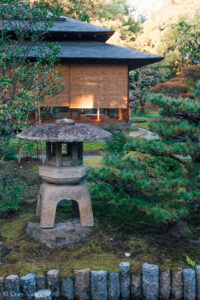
[
  {"x": 51, "y": 194},
  {"x": 64, "y": 234}
]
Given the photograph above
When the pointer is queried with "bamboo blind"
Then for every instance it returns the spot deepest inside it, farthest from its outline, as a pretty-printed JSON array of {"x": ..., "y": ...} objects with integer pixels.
[{"x": 93, "y": 86}]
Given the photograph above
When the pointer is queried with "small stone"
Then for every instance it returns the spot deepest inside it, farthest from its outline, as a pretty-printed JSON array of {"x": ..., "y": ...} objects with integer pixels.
[
  {"x": 114, "y": 286},
  {"x": 177, "y": 289},
  {"x": 53, "y": 283},
  {"x": 43, "y": 295},
  {"x": 99, "y": 285},
  {"x": 41, "y": 282},
  {"x": 189, "y": 285},
  {"x": 150, "y": 281},
  {"x": 1, "y": 288},
  {"x": 181, "y": 230},
  {"x": 127, "y": 254},
  {"x": 125, "y": 281},
  {"x": 197, "y": 269},
  {"x": 67, "y": 289},
  {"x": 12, "y": 287},
  {"x": 165, "y": 284},
  {"x": 28, "y": 284},
  {"x": 82, "y": 284},
  {"x": 136, "y": 286},
  {"x": 5, "y": 250}
]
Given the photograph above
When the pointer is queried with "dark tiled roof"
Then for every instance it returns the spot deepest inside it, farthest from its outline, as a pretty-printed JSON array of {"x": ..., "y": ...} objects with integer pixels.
[
  {"x": 98, "y": 52},
  {"x": 71, "y": 25},
  {"x": 66, "y": 29}
]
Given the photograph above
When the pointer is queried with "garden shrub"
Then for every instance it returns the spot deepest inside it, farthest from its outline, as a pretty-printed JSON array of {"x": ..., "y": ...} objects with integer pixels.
[
  {"x": 181, "y": 86},
  {"x": 12, "y": 188},
  {"x": 173, "y": 87}
]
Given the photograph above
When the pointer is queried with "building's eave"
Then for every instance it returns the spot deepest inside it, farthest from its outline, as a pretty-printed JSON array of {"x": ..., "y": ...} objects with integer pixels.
[
  {"x": 65, "y": 29},
  {"x": 97, "y": 52}
]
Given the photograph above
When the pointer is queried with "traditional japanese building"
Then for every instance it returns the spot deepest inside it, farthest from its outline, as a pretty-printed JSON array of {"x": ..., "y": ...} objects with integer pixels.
[{"x": 95, "y": 72}]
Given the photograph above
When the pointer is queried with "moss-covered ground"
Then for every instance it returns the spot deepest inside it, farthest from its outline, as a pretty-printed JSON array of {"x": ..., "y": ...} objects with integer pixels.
[{"x": 115, "y": 236}]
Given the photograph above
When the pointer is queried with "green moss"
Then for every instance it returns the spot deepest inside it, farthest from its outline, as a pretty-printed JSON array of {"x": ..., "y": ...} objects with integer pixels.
[
  {"x": 94, "y": 146},
  {"x": 11, "y": 229},
  {"x": 93, "y": 162}
]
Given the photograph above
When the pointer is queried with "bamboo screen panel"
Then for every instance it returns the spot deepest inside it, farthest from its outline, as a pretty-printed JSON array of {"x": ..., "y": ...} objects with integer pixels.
[
  {"x": 104, "y": 86},
  {"x": 62, "y": 99}
]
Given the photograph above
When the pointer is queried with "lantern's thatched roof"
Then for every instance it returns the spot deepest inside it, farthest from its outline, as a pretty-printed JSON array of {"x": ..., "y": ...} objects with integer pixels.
[{"x": 64, "y": 133}]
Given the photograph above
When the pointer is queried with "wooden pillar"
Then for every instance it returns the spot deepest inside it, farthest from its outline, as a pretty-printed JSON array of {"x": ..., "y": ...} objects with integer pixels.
[
  {"x": 79, "y": 114},
  {"x": 70, "y": 113},
  {"x": 127, "y": 109},
  {"x": 98, "y": 114},
  {"x": 120, "y": 114}
]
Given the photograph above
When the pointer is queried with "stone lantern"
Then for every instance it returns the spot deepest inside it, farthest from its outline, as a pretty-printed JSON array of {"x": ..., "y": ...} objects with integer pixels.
[{"x": 64, "y": 168}]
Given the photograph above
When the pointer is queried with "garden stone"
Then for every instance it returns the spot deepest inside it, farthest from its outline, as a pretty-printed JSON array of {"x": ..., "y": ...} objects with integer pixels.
[
  {"x": 43, "y": 295},
  {"x": 189, "y": 285},
  {"x": 64, "y": 234},
  {"x": 165, "y": 284},
  {"x": 136, "y": 286},
  {"x": 67, "y": 289},
  {"x": 150, "y": 281},
  {"x": 125, "y": 281},
  {"x": 2, "y": 288},
  {"x": 177, "y": 288},
  {"x": 12, "y": 287},
  {"x": 197, "y": 269},
  {"x": 28, "y": 285},
  {"x": 53, "y": 283},
  {"x": 114, "y": 286},
  {"x": 82, "y": 284},
  {"x": 99, "y": 285},
  {"x": 41, "y": 282},
  {"x": 181, "y": 230},
  {"x": 5, "y": 250}
]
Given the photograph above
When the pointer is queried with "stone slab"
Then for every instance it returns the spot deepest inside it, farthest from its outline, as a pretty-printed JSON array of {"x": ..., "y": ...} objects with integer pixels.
[
  {"x": 125, "y": 281},
  {"x": 28, "y": 285},
  {"x": 150, "y": 281},
  {"x": 43, "y": 295},
  {"x": 67, "y": 289},
  {"x": 189, "y": 284},
  {"x": 165, "y": 284},
  {"x": 177, "y": 284},
  {"x": 53, "y": 283},
  {"x": 64, "y": 234},
  {"x": 114, "y": 286},
  {"x": 197, "y": 269},
  {"x": 82, "y": 284},
  {"x": 136, "y": 286},
  {"x": 99, "y": 285}
]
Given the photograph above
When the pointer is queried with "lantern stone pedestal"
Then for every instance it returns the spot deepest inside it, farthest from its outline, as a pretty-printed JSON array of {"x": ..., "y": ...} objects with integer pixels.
[
  {"x": 51, "y": 194},
  {"x": 62, "y": 174}
]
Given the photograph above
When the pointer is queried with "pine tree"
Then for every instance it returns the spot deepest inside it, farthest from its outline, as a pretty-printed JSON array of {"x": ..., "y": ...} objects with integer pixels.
[{"x": 158, "y": 177}]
